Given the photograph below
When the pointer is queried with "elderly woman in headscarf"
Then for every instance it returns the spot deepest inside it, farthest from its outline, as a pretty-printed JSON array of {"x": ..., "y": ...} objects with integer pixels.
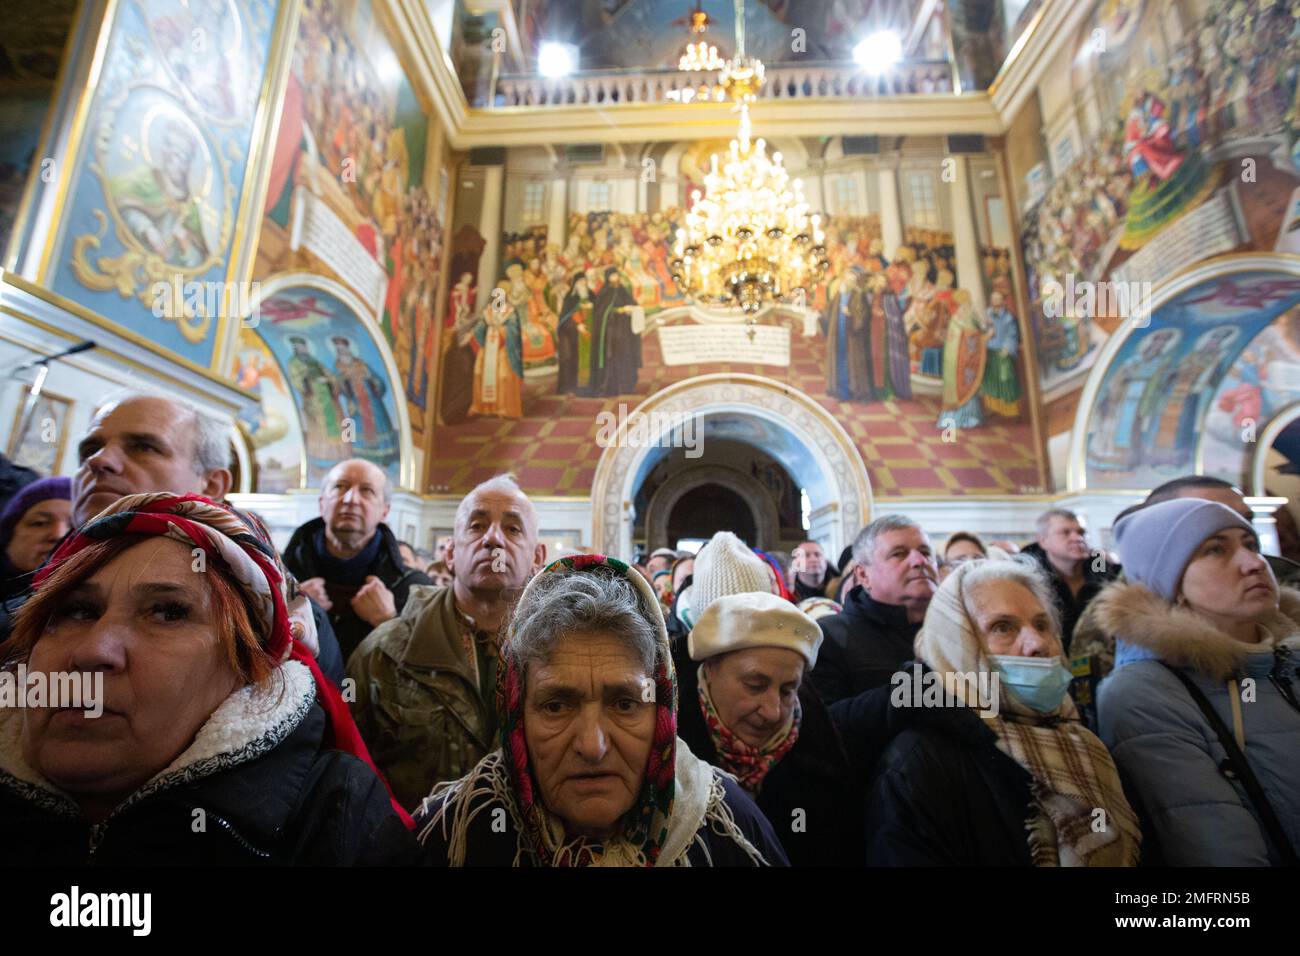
[
  {"x": 1202, "y": 709},
  {"x": 590, "y": 771},
  {"x": 748, "y": 707},
  {"x": 988, "y": 763},
  {"x": 192, "y": 724}
]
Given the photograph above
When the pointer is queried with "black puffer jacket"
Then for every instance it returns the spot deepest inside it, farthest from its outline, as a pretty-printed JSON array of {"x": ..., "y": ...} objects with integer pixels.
[
  {"x": 256, "y": 787},
  {"x": 810, "y": 797},
  {"x": 300, "y": 557},
  {"x": 942, "y": 793},
  {"x": 865, "y": 643}
]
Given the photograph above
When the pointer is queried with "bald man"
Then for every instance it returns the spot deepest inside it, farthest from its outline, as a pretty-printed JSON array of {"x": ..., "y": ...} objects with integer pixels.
[
  {"x": 426, "y": 682},
  {"x": 347, "y": 559}
]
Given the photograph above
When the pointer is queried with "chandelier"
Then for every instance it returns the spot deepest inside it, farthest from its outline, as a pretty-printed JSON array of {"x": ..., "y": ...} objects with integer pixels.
[
  {"x": 700, "y": 56},
  {"x": 749, "y": 240}
]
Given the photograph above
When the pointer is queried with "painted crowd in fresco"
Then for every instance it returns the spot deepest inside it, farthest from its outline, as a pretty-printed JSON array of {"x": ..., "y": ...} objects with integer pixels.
[
  {"x": 569, "y": 316},
  {"x": 353, "y": 134},
  {"x": 1182, "y": 117}
]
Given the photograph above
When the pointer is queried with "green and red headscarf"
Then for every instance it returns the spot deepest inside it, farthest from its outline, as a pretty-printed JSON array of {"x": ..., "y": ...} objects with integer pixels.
[
  {"x": 647, "y": 827},
  {"x": 241, "y": 546}
]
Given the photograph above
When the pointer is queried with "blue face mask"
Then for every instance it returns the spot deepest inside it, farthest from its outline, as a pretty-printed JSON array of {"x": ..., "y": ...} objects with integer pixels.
[{"x": 1037, "y": 682}]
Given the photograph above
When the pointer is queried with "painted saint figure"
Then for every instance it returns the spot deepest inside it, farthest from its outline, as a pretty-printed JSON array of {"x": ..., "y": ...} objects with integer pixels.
[
  {"x": 615, "y": 348},
  {"x": 1001, "y": 388},
  {"x": 499, "y": 362},
  {"x": 1186, "y": 391},
  {"x": 364, "y": 390},
  {"x": 574, "y": 337},
  {"x": 1131, "y": 398},
  {"x": 318, "y": 394},
  {"x": 848, "y": 339},
  {"x": 894, "y": 303},
  {"x": 536, "y": 339},
  {"x": 157, "y": 202},
  {"x": 965, "y": 355}
]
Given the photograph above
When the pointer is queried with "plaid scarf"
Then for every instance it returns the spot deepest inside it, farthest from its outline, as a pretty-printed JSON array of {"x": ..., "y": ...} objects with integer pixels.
[
  {"x": 241, "y": 547},
  {"x": 646, "y": 826},
  {"x": 1073, "y": 773},
  {"x": 749, "y": 764}
]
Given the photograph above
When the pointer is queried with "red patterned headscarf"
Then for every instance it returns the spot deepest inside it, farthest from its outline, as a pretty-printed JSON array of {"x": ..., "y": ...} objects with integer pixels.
[
  {"x": 281, "y": 612},
  {"x": 647, "y": 825}
]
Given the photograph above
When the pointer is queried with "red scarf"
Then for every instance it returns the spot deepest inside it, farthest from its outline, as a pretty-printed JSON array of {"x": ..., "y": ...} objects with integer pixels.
[{"x": 748, "y": 763}]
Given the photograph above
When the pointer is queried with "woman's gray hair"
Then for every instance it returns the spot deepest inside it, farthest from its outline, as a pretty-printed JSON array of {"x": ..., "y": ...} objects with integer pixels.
[
  {"x": 560, "y": 604},
  {"x": 1025, "y": 571}
]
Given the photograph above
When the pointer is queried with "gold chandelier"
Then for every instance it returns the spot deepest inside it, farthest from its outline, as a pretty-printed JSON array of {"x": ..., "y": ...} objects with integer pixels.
[
  {"x": 749, "y": 240},
  {"x": 699, "y": 57}
]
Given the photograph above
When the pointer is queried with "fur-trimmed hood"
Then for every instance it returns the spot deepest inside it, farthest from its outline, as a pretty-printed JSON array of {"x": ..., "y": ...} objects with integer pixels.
[
  {"x": 1182, "y": 638},
  {"x": 246, "y": 725}
]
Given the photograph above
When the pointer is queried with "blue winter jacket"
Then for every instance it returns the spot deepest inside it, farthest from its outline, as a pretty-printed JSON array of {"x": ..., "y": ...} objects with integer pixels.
[{"x": 1165, "y": 748}]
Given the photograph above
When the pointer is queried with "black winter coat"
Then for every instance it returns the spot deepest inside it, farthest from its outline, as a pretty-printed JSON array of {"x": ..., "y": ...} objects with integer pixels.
[
  {"x": 814, "y": 777},
  {"x": 865, "y": 643},
  {"x": 942, "y": 793},
  {"x": 300, "y": 557},
  {"x": 299, "y": 803}
]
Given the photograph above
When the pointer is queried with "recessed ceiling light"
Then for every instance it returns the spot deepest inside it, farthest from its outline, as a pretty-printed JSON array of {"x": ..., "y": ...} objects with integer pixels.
[
  {"x": 879, "y": 52},
  {"x": 557, "y": 59}
]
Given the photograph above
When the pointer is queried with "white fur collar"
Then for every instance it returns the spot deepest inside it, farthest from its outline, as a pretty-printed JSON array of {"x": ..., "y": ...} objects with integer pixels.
[{"x": 247, "y": 724}]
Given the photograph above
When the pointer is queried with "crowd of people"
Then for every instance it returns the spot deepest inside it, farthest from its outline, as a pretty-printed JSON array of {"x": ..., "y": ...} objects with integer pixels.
[{"x": 352, "y": 700}]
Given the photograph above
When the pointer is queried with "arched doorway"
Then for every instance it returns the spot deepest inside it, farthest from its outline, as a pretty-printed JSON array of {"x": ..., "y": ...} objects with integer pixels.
[
  {"x": 796, "y": 431},
  {"x": 707, "y": 509},
  {"x": 701, "y": 483}
]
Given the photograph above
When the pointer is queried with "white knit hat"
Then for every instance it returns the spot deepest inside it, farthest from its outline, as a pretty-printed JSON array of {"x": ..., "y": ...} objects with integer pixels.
[
  {"x": 726, "y": 566},
  {"x": 758, "y": 619}
]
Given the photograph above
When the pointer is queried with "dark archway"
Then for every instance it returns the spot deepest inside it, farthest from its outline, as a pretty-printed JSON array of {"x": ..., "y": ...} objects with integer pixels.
[{"x": 708, "y": 509}]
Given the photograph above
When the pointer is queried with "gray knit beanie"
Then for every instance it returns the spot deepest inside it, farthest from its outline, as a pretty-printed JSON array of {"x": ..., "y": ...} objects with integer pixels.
[{"x": 1156, "y": 543}]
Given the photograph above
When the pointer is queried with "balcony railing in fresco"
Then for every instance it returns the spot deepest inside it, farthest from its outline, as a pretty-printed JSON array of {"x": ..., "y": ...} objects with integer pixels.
[{"x": 784, "y": 82}]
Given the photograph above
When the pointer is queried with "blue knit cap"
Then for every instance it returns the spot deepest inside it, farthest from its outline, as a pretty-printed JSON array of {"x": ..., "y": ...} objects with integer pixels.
[{"x": 1156, "y": 543}]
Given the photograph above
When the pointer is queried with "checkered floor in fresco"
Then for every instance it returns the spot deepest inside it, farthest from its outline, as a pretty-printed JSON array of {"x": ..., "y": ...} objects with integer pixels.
[{"x": 553, "y": 450}]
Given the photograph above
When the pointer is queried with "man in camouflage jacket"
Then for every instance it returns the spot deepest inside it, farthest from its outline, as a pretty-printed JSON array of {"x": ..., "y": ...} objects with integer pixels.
[{"x": 425, "y": 682}]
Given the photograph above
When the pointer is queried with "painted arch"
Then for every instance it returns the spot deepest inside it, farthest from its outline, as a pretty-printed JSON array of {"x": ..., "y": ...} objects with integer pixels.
[
  {"x": 328, "y": 381},
  {"x": 1191, "y": 388}
]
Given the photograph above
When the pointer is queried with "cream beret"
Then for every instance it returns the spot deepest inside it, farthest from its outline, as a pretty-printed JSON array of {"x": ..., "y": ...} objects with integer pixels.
[{"x": 753, "y": 619}]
